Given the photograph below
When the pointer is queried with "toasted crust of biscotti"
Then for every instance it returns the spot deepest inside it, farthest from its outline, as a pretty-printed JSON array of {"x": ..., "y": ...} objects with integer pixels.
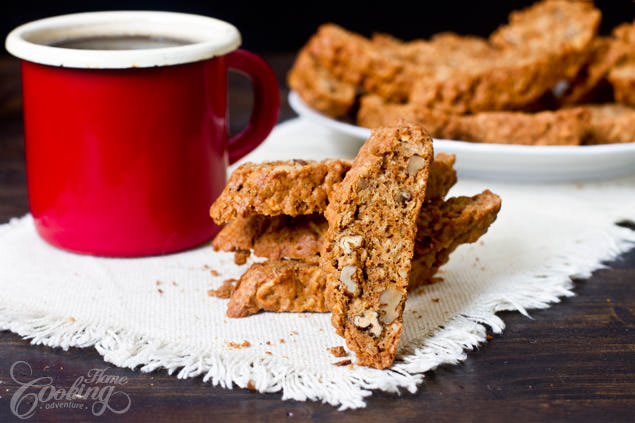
[
  {"x": 443, "y": 226},
  {"x": 370, "y": 241},
  {"x": 610, "y": 123},
  {"x": 560, "y": 127},
  {"x": 319, "y": 88},
  {"x": 278, "y": 285},
  {"x": 290, "y": 187}
]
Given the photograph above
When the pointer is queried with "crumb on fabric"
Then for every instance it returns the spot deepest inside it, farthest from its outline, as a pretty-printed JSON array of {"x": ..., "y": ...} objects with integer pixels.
[
  {"x": 435, "y": 300},
  {"x": 338, "y": 351},
  {"x": 71, "y": 319},
  {"x": 342, "y": 362},
  {"x": 157, "y": 283},
  {"x": 223, "y": 291},
  {"x": 240, "y": 257},
  {"x": 160, "y": 291},
  {"x": 236, "y": 345},
  {"x": 214, "y": 272}
]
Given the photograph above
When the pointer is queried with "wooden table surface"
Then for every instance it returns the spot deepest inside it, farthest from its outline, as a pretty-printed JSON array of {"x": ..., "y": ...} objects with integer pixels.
[{"x": 572, "y": 362}]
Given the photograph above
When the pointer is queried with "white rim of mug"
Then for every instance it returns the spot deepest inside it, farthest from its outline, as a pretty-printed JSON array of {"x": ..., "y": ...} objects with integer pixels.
[{"x": 209, "y": 38}]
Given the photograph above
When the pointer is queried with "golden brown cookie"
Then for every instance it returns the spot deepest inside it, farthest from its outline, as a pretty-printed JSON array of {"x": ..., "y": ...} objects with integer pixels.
[
  {"x": 278, "y": 285},
  {"x": 605, "y": 54},
  {"x": 368, "y": 248},
  {"x": 444, "y": 225},
  {"x": 319, "y": 88},
  {"x": 560, "y": 127},
  {"x": 560, "y": 30},
  {"x": 289, "y": 187},
  {"x": 295, "y": 285},
  {"x": 610, "y": 123}
]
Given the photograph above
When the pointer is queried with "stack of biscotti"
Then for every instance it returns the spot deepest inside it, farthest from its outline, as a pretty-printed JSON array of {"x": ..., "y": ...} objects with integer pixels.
[
  {"x": 339, "y": 230},
  {"x": 529, "y": 83}
]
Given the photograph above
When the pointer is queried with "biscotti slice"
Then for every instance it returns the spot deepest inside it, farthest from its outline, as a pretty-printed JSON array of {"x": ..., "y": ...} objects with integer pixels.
[
  {"x": 560, "y": 30},
  {"x": 444, "y": 225},
  {"x": 301, "y": 237},
  {"x": 368, "y": 248},
  {"x": 300, "y": 187},
  {"x": 274, "y": 237},
  {"x": 299, "y": 285},
  {"x": 375, "y": 112},
  {"x": 278, "y": 285},
  {"x": 319, "y": 88},
  {"x": 605, "y": 54},
  {"x": 289, "y": 187},
  {"x": 560, "y": 127},
  {"x": 354, "y": 59},
  {"x": 610, "y": 123}
]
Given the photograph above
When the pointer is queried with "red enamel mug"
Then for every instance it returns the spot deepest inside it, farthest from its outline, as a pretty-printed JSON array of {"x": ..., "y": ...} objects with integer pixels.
[{"x": 125, "y": 117}]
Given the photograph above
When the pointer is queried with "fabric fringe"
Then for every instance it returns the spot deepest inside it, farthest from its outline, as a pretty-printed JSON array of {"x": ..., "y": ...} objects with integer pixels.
[{"x": 339, "y": 387}]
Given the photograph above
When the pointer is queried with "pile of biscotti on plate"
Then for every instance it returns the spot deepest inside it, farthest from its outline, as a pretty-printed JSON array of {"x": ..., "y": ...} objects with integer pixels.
[
  {"x": 544, "y": 78},
  {"x": 349, "y": 237}
]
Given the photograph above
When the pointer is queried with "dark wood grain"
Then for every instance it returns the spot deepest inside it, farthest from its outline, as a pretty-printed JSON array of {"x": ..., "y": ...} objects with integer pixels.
[{"x": 573, "y": 362}]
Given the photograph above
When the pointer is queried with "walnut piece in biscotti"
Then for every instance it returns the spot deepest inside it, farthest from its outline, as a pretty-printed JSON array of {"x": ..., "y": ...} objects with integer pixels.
[
  {"x": 610, "y": 123},
  {"x": 290, "y": 187},
  {"x": 444, "y": 225},
  {"x": 319, "y": 88},
  {"x": 278, "y": 285},
  {"x": 368, "y": 248}
]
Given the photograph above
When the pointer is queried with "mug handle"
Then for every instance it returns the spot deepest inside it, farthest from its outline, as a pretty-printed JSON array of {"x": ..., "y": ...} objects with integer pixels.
[{"x": 264, "y": 114}]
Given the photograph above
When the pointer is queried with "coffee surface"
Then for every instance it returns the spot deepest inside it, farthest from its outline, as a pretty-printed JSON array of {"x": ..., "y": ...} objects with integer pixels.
[{"x": 123, "y": 42}]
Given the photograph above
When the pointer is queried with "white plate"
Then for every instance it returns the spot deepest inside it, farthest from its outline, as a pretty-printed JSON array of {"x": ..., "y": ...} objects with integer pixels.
[{"x": 519, "y": 163}]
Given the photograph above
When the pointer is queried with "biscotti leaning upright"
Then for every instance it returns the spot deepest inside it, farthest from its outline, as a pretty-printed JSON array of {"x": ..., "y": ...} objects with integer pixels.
[{"x": 366, "y": 256}]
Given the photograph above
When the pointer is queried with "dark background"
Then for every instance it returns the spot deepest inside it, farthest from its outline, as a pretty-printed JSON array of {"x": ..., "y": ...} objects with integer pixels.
[{"x": 269, "y": 26}]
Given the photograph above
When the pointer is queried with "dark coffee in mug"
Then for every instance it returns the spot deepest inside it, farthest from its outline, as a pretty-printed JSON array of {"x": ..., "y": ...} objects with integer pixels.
[{"x": 122, "y": 42}]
